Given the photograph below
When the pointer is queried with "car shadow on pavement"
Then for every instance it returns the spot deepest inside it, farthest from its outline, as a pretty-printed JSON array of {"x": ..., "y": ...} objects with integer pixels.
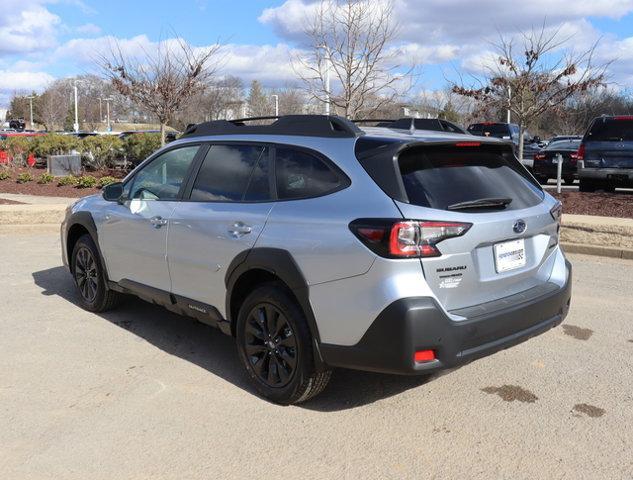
[{"x": 210, "y": 349}]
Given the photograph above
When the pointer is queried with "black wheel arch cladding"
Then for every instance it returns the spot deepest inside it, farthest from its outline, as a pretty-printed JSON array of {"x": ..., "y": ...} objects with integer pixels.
[
  {"x": 282, "y": 265},
  {"x": 84, "y": 220}
]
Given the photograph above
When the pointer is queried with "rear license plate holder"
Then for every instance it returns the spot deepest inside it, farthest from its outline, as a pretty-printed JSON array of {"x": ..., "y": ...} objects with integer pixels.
[{"x": 509, "y": 255}]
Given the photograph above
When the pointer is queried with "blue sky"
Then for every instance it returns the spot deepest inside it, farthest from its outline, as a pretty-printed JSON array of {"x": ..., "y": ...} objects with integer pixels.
[{"x": 41, "y": 40}]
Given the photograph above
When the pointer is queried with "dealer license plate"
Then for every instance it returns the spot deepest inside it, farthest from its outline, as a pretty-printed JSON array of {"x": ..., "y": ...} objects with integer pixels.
[{"x": 509, "y": 255}]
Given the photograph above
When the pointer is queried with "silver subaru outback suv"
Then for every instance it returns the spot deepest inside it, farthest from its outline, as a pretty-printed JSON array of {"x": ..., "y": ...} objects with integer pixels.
[{"x": 318, "y": 244}]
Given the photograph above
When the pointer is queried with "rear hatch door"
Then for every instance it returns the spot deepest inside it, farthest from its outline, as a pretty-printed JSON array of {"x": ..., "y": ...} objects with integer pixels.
[
  {"x": 507, "y": 248},
  {"x": 609, "y": 143}
]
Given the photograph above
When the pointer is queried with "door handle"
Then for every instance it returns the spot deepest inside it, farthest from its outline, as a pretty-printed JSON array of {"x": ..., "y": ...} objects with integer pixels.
[
  {"x": 157, "y": 221},
  {"x": 239, "y": 229}
]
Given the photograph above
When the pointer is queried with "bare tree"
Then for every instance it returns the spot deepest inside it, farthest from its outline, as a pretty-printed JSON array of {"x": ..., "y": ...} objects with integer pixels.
[
  {"x": 291, "y": 100},
  {"x": 165, "y": 80},
  {"x": 535, "y": 79},
  {"x": 54, "y": 104},
  {"x": 350, "y": 41}
]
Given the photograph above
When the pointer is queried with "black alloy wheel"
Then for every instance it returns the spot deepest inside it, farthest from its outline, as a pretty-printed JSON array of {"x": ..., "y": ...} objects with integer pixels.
[
  {"x": 270, "y": 345},
  {"x": 86, "y": 274}
]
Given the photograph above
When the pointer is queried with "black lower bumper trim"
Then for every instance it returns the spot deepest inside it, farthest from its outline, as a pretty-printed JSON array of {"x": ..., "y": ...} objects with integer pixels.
[{"x": 418, "y": 323}]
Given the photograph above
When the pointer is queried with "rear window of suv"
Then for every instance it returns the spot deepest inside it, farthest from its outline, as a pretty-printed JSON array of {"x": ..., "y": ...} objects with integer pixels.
[
  {"x": 611, "y": 130},
  {"x": 441, "y": 178}
]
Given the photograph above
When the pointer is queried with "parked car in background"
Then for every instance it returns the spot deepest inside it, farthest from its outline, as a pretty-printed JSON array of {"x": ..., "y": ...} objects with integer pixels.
[
  {"x": 17, "y": 124},
  {"x": 511, "y": 132},
  {"x": 81, "y": 134},
  {"x": 545, "y": 165},
  {"x": 432, "y": 124},
  {"x": 170, "y": 135},
  {"x": 606, "y": 154},
  {"x": 8, "y": 134},
  {"x": 561, "y": 137}
]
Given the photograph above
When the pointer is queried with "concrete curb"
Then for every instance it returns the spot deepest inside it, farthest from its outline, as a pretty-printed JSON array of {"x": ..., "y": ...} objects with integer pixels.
[
  {"x": 31, "y": 214},
  {"x": 612, "y": 252}
]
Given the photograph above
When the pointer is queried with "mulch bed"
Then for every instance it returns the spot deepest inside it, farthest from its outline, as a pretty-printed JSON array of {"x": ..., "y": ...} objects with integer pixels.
[
  {"x": 619, "y": 204},
  {"x": 49, "y": 189}
]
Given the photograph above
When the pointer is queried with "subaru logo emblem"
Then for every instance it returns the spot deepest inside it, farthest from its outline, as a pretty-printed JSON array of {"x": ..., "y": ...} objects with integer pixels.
[{"x": 519, "y": 226}]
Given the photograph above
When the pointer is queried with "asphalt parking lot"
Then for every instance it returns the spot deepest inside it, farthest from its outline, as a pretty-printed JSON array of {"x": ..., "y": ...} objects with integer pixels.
[{"x": 142, "y": 393}]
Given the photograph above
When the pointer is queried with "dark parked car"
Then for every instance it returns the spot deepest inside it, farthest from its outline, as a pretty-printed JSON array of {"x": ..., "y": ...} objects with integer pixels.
[
  {"x": 545, "y": 166},
  {"x": 511, "y": 132},
  {"x": 606, "y": 152},
  {"x": 433, "y": 124}
]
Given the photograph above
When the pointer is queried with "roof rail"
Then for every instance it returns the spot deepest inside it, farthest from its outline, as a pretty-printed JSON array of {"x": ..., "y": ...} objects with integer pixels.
[{"x": 330, "y": 126}]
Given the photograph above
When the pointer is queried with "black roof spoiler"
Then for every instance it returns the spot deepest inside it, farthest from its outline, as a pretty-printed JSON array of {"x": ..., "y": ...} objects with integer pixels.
[{"x": 330, "y": 126}]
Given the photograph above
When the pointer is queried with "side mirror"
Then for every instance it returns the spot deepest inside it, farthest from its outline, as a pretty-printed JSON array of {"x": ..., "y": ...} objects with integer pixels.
[{"x": 113, "y": 192}]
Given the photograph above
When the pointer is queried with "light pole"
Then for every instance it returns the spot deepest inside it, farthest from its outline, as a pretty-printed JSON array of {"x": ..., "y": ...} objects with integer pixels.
[
  {"x": 276, "y": 97},
  {"x": 31, "y": 102},
  {"x": 509, "y": 100},
  {"x": 76, "y": 124},
  {"x": 107, "y": 100},
  {"x": 327, "y": 87},
  {"x": 100, "y": 111}
]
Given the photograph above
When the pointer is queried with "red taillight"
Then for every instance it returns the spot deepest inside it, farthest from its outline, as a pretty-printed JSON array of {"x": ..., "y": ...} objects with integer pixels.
[
  {"x": 468, "y": 144},
  {"x": 623, "y": 117},
  {"x": 406, "y": 239},
  {"x": 424, "y": 356},
  {"x": 539, "y": 156},
  {"x": 580, "y": 154}
]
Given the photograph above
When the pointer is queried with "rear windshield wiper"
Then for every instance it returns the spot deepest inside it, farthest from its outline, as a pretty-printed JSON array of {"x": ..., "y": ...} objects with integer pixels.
[{"x": 481, "y": 203}]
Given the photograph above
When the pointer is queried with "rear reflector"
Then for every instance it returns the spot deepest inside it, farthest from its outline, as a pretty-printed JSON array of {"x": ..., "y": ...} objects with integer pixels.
[
  {"x": 468, "y": 144},
  {"x": 424, "y": 356}
]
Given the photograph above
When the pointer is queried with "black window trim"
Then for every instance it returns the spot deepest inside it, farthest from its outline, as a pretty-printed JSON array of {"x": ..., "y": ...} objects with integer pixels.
[
  {"x": 344, "y": 180},
  {"x": 202, "y": 150}
]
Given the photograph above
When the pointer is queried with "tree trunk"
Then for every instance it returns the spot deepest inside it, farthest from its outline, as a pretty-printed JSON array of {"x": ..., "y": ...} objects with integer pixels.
[{"x": 162, "y": 134}]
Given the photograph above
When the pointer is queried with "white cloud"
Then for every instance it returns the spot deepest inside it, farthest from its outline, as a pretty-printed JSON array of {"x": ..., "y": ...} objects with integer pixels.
[
  {"x": 11, "y": 80},
  {"x": 88, "y": 29},
  {"x": 271, "y": 64},
  {"x": 26, "y": 26}
]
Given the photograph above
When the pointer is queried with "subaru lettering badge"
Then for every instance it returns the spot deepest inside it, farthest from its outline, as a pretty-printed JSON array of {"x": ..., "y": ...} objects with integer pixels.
[{"x": 519, "y": 226}]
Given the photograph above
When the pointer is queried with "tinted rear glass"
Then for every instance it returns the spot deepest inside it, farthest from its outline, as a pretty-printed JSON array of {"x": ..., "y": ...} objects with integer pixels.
[
  {"x": 440, "y": 178},
  {"x": 302, "y": 175},
  {"x": 563, "y": 145},
  {"x": 611, "y": 130}
]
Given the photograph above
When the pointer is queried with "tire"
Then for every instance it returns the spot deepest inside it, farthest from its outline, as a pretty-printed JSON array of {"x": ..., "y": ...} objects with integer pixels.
[
  {"x": 586, "y": 186},
  {"x": 275, "y": 346},
  {"x": 609, "y": 187},
  {"x": 90, "y": 278}
]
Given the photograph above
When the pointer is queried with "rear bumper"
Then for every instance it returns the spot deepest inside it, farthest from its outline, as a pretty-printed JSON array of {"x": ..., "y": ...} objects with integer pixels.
[
  {"x": 616, "y": 175},
  {"x": 412, "y": 324},
  {"x": 552, "y": 170}
]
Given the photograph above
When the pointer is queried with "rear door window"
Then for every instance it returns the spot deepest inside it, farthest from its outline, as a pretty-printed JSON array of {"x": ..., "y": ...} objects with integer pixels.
[
  {"x": 233, "y": 173},
  {"x": 302, "y": 175},
  {"x": 611, "y": 130},
  {"x": 442, "y": 178}
]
